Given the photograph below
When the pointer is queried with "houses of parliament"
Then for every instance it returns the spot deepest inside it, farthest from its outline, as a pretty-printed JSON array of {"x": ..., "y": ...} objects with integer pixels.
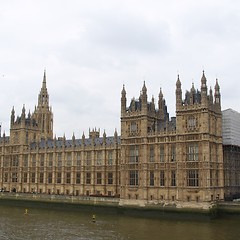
[{"x": 155, "y": 159}]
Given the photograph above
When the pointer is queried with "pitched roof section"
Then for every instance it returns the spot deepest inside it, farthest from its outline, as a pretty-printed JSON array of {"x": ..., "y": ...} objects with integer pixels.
[{"x": 60, "y": 143}]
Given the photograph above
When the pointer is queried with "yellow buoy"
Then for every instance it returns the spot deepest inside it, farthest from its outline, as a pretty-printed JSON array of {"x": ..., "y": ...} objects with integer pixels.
[
  {"x": 93, "y": 218},
  {"x": 26, "y": 211}
]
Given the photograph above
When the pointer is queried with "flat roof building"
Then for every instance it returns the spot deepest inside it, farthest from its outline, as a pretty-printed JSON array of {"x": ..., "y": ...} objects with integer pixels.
[{"x": 231, "y": 127}]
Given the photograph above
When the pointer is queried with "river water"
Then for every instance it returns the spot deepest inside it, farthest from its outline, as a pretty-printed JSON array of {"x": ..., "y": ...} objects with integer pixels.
[{"x": 49, "y": 223}]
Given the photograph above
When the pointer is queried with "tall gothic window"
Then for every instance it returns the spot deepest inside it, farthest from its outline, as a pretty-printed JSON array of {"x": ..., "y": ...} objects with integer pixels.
[
  {"x": 88, "y": 159},
  {"x": 110, "y": 158},
  {"x": 33, "y": 177},
  {"x": 59, "y": 177},
  {"x": 78, "y": 159},
  {"x": 173, "y": 178},
  {"x": 34, "y": 160},
  {"x": 50, "y": 159},
  {"x": 78, "y": 177},
  {"x": 68, "y": 177},
  {"x": 59, "y": 160},
  {"x": 41, "y": 177},
  {"x": 14, "y": 177},
  {"x": 192, "y": 152},
  {"x": 162, "y": 178},
  {"x": 152, "y": 154},
  {"x": 133, "y": 177},
  {"x": 49, "y": 177},
  {"x": 133, "y": 127},
  {"x": 110, "y": 178},
  {"x": 25, "y": 161},
  {"x": 25, "y": 177},
  {"x": 173, "y": 153},
  {"x": 99, "y": 178},
  {"x": 134, "y": 157},
  {"x": 15, "y": 161},
  {"x": 88, "y": 178},
  {"x": 5, "y": 177},
  {"x": 161, "y": 153},
  {"x": 99, "y": 158},
  {"x": 42, "y": 160},
  {"x": 69, "y": 159},
  {"x": 192, "y": 178},
  {"x": 151, "y": 178}
]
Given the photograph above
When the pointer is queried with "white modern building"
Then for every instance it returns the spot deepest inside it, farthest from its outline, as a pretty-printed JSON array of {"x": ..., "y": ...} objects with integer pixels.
[{"x": 231, "y": 127}]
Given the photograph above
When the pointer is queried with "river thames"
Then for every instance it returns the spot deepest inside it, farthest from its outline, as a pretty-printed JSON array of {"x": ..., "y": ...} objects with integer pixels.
[{"x": 48, "y": 223}]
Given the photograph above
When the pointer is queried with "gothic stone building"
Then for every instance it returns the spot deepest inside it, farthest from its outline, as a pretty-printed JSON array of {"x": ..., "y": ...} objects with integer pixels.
[{"x": 156, "y": 160}]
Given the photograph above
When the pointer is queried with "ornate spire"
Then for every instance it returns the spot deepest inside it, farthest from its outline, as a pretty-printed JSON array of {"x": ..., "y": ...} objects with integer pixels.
[
  {"x": 193, "y": 88},
  {"x": 23, "y": 111},
  {"x": 73, "y": 137},
  {"x": 144, "y": 89},
  {"x": 115, "y": 136},
  {"x": 12, "y": 116},
  {"x": 29, "y": 114},
  {"x": 44, "y": 84},
  {"x": 123, "y": 91},
  {"x": 211, "y": 95},
  {"x": 217, "y": 93},
  {"x": 144, "y": 97},
  {"x": 178, "y": 83},
  {"x": 123, "y": 101},
  {"x": 43, "y": 95},
  {"x": 178, "y": 93},
  {"x": 203, "y": 80},
  {"x": 83, "y": 139},
  {"x": 217, "y": 88},
  {"x": 160, "y": 100},
  {"x": 160, "y": 94}
]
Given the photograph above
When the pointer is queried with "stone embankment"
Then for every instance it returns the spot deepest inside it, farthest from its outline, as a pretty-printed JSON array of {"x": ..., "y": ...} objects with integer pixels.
[
  {"x": 114, "y": 203},
  {"x": 83, "y": 200}
]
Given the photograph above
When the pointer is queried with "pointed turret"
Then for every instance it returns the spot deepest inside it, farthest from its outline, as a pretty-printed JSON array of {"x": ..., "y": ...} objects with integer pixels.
[
  {"x": 12, "y": 116},
  {"x": 144, "y": 97},
  {"x": 104, "y": 137},
  {"x": 203, "y": 80},
  {"x": 73, "y": 137},
  {"x": 23, "y": 115},
  {"x": 210, "y": 96},
  {"x": 178, "y": 93},
  {"x": 152, "y": 104},
  {"x": 160, "y": 100},
  {"x": 83, "y": 139},
  {"x": 123, "y": 101},
  {"x": 192, "y": 94},
  {"x": 203, "y": 84},
  {"x": 217, "y": 96},
  {"x": 115, "y": 136},
  {"x": 204, "y": 90}
]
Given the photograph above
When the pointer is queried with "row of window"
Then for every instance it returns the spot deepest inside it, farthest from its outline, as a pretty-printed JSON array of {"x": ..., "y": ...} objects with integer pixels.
[
  {"x": 59, "y": 179},
  {"x": 59, "y": 161},
  {"x": 191, "y": 155},
  {"x": 192, "y": 178}
]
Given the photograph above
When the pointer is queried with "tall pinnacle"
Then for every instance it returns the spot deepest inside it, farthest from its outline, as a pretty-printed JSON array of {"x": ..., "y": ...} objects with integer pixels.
[
  {"x": 44, "y": 84},
  {"x": 43, "y": 95}
]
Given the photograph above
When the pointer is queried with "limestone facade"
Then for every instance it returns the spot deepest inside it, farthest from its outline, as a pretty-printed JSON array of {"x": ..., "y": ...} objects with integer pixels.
[{"x": 156, "y": 160}]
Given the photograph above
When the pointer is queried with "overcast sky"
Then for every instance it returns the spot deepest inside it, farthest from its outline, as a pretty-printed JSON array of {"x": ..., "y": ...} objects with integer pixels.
[{"x": 91, "y": 48}]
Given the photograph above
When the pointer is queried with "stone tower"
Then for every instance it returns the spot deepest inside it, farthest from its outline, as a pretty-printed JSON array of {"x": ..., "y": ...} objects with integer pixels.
[
  {"x": 43, "y": 113},
  {"x": 199, "y": 130},
  {"x": 140, "y": 123},
  {"x": 23, "y": 129},
  {"x": 172, "y": 161}
]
